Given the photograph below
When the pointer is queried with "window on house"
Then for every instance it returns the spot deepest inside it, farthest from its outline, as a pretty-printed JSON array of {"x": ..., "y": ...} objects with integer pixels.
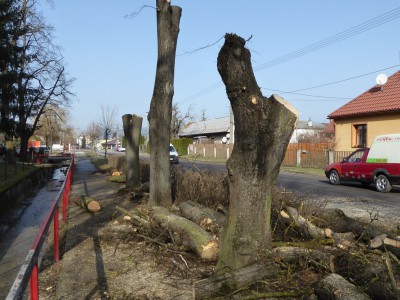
[{"x": 359, "y": 135}]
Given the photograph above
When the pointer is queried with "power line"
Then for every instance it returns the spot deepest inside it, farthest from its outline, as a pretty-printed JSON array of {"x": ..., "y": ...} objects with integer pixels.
[
  {"x": 372, "y": 23},
  {"x": 316, "y": 96},
  {"x": 315, "y": 100},
  {"x": 343, "y": 80},
  {"x": 355, "y": 30}
]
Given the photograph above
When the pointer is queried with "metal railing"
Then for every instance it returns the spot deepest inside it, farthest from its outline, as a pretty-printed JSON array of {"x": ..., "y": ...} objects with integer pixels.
[{"x": 29, "y": 271}]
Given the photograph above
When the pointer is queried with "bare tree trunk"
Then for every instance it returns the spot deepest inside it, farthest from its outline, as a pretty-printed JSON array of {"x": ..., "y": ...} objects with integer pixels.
[
  {"x": 168, "y": 18},
  {"x": 263, "y": 127},
  {"x": 132, "y": 126}
]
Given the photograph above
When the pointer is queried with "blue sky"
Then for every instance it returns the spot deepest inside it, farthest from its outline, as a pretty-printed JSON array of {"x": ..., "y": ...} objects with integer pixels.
[{"x": 113, "y": 58}]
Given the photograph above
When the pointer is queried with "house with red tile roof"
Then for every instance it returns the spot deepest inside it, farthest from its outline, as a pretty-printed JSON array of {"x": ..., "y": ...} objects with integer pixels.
[{"x": 374, "y": 112}]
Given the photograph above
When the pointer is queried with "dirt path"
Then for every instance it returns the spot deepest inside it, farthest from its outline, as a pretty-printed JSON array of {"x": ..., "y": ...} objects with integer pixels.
[{"x": 98, "y": 264}]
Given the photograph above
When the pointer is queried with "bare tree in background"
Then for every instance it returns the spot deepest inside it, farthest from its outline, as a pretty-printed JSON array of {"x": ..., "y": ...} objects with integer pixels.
[
  {"x": 107, "y": 122},
  {"x": 203, "y": 116},
  {"x": 52, "y": 122},
  {"x": 93, "y": 131},
  {"x": 180, "y": 120},
  {"x": 168, "y": 18}
]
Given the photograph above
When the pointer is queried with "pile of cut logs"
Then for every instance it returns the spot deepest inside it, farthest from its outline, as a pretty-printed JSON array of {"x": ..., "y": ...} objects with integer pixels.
[{"x": 373, "y": 252}]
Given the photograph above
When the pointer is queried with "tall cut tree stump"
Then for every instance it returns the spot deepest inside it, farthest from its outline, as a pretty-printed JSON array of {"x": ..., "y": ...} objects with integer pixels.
[{"x": 263, "y": 128}]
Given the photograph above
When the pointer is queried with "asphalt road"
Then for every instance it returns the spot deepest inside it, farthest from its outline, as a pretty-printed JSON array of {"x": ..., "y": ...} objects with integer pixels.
[
  {"x": 354, "y": 199},
  {"x": 313, "y": 184}
]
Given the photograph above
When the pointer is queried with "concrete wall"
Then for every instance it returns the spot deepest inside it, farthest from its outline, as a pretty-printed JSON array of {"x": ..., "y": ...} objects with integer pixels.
[{"x": 376, "y": 125}]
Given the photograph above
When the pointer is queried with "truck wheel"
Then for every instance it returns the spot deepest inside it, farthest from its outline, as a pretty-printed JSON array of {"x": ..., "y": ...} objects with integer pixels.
[
  {"x": 382, "y": 184},
  {"x": 334, "y": 177}
]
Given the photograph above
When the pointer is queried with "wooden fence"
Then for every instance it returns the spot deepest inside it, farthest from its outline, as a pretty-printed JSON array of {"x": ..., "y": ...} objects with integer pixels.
[
  {"x": 219, "y": 151},
  {"x": 311, "y": 157}
]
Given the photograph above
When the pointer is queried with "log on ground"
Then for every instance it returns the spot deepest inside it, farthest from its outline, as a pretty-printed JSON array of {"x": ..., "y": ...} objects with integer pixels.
[
  {"x": 187, "y": 233},
  {"x": 137, "y": 220},
  {"x": 364, "y": 269},
  {"x": 291, "y": 216},
  {"x": 203, "y": 216},
  {"x": 224, "y": 284},
  {"x": 119, "y": 179},
  {"x": 339, "y": 222},
  {"x": 382, "y": 241},
  {"x": 294, "y": 254},
  {"x": 88, "y": 203},
  {"x": 335, "y": 287}
]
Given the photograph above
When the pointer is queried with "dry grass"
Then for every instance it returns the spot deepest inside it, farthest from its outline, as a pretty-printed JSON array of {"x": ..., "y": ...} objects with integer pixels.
[{"x": 205, "y": 187}]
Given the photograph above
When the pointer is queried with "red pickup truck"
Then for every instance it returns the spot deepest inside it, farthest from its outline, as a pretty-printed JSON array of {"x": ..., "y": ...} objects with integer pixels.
[{"x": 358, "y": 167}]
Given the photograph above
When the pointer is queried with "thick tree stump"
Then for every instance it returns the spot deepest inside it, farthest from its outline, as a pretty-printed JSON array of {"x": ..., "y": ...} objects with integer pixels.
[
  {"x": 187, "y": 233},
  {"x": 224, "y": 284},
  {"x": 335, "y": 287},
  {"x": 132, "y": 127},
  {"x": 263, "y": 128}
]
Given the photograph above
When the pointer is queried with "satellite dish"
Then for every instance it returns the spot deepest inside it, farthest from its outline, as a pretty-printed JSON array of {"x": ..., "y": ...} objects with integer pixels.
[{"x": 381, "y": 79}]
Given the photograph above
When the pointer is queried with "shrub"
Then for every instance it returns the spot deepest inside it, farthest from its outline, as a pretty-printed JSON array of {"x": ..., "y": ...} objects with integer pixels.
[{"x": 205, "y": 187}]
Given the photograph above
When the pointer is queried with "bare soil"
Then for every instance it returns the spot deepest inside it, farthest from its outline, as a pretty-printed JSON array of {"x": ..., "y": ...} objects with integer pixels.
[
  {"x": 107, "y": 257},
  {"x": 127, "y": 264}
]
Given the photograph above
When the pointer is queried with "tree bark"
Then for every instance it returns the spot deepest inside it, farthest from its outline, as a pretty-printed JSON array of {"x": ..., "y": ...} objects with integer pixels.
[
  {"x": 168, "y": 18},
  {"x": 335, "y": 287},
  {"x": 294, "y": 254},
  {"x": 339, "y": 222},
  {"x": 364, "y": 270},
  {"x": 382, "y": 242},
  {"x": 203, "y": 216},
  {"x": 187, "y": 233},
  {"x": 291, "y": 216},
  {"x": 263, "y": 127},
  {"x": 224, "y": 284},
  {"x": 132, "y": 127}
]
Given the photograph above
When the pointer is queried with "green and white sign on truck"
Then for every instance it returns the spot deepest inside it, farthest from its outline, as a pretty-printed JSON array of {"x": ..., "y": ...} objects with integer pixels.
[{"x": 385, "y": 149}]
